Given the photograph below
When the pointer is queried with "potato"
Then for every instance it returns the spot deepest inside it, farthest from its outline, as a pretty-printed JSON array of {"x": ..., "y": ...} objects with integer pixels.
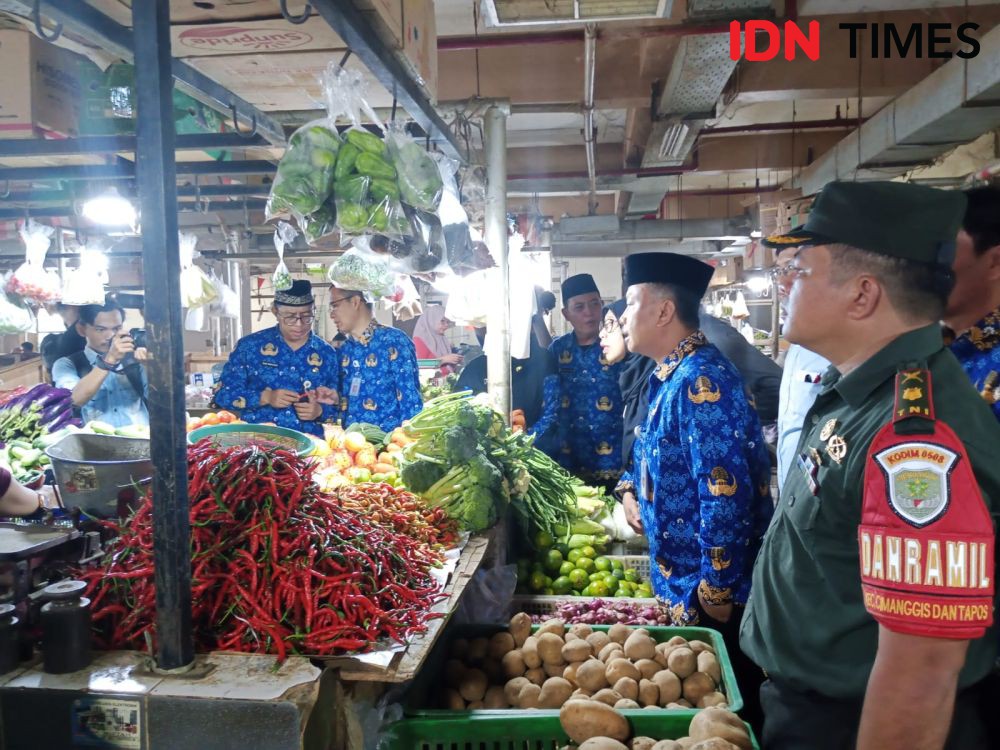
[
  {"x": 642, "y": 743},
  {"x": 453, "y": 673},
  {"x": 619, "y": 633},
  {"x": 640, "y": 646},
  {"x": 676, "y": 705},
  {"x": 719, "y": 722},
  {"x": 520, "y": 628},
  {"x": 700, "y": 646},
  {"x": 459, "y": 648},
  {"x": 536, "y": 676},
  {"x": 579, "y": 694},
  {"x": 669, "y": 686},
  {"x": 476, "y": 706},
  {"x": 529, "y": 652},
  {"x": 682, "y": 662},
  {"x": 684, "y": 704},
  {"x": 550, "y": 648},
  {"x": 473, "y": 685},
  {"x": 478, "y": 648},
  {"x": 590, "y": 675},
  {"x": 555, "y": 692},
  {"x": 715, "y": 698},
  {"x": 666, "y": 745},
  {"x": 513, "y": 689},
  {"x": 626, "y": 687},
  {"x": 626, "y": 703},
  {"x": 686, "y": 743},
  {"x": 577, "y": 650},
  {"x": 647, "y": 668},
  {"x": 649, "y": 694},
  {"x": 607, "y": 653},
  {"x": 697, "y": 686},
  {"x": 555, "y": 626},
  {"x": 570, "y": 636},
  {"x": 602, "y": 743},
  {"x": 582, "y": 720},
  {"x": 651, "y": 708},
  {"x": 598, "y": 639},
  {"x": 569, "y": 674},
  {"x": 453, "y": 700},
  {"x": 715, "y": 743},
  {"x": 618, "y": 668},
  {"x": 661, "y": 659},
  {"x": 581, "y": 630},
  {"x": 513, "y": 664},
  {"x": 500, "y": 644},
  {"x": 607, "y": 696},
  {"x": 708, "y": 664},
  {"x": 528, "y": 697},
  {"x": 677, "y": 640},
  {"x": 554, "y": 670}
]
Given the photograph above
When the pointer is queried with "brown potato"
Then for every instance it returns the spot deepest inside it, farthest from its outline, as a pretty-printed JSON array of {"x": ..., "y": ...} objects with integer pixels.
[
  {"x": 677, "y": 640},
  {"x": 513, "y": 664},
  {"x": 590, "y": 675},
  {"x": 661, "y": 659},
  {"x": 686, "y": 743},
  {"x": 649, "y": 694},
  {"x": 666, "y": 745},
  {"x": 554, "y": 670},
  {"x": 609, "y": 652},
  {"x": 555, "y": 626},
  {"x": 598, "y": 639},
  {"x": 618, "y": 668},
  {"x": 619, "y": 633},
  {"x": 626, "y": 687},
  {"x": 478, "y": 648},
  {"x": 555, "y": 692},
  {"x": 669, "y": 686},
  {"x": 520, "y": 628},
  {"x": 715, "y": 743},
  {"x": 570, "y": 636},
  {"x": 640, "y": 646},
  {"x": 536, "y": 676},
  {"x": 582, "y": 720},
  {"x": 476, "y": 705},
  {"x": 577, "y": 650},
  {"x": 453, "y": 700},
  {"x": 626, "y": 703},
  {"x": 569, "y": 673},
  {"x": 602, "y": 743},
  {"x": 473, "y": 685},
  {"x": 459, "y": 648},
  {"x": 682, "y": 662},
  {"x": 581, "y": 630},
  {"x": 697, "y": 686},
  {"x": 579, "y": 694},
  {"x": 700, "y": 646},
  {"x": 714, "y": 698},
  {"x": 647, "y": 668},
  {"x": 708, "y": 664},
  {"x": 642, "y": 743},
  {"x": 454, "y": 670},
  {"x": 722, "y": 723},
  {"x": 529, "y": 652},
  {"x": 550, "y": 648},
  {"x": 500, "y": 644},
  {"x": 528, "y": 697},
  {"x": 513, "y": 689},
  {"x": 607, "y": 696}
]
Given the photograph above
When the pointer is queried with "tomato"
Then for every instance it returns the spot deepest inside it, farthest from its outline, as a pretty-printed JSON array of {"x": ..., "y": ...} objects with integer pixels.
[
  {"x": 226, "y": 417},
  {"x": 354, "y": 442},
  {"x": 210, "y": 419},
  {"x": 193, "y": 424}
]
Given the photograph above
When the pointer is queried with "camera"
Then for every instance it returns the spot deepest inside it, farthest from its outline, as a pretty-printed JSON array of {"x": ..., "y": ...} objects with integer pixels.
[{"x": 138, "y": 337}]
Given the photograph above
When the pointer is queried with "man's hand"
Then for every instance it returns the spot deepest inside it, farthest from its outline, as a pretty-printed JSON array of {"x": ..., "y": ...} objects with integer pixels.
[
  {"x": 278, "y": 398},
  {"x": 310, "y": 410},
  {"x": 718, "y": 612},
  {"x": 326, "y": 396},
  {"x": 121, "y": 345},
  {"x": 452, "y": 359},
  {"x": 142, "y": 354},
  {"x": 632, "y": 515}
]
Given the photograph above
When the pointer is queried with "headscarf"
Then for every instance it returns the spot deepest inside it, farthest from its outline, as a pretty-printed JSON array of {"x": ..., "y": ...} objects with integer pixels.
[{"x": 426, "y": 330}]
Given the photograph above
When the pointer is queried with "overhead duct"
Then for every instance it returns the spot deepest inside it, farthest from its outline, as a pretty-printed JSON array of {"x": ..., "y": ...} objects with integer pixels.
[
  {"x": 637, "y": 236},
  {"x": 953, "y": 105},
  {"x": 508, "y": 13}
]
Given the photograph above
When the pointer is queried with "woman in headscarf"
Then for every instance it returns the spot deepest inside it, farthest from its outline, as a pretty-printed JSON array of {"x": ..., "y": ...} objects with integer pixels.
[{"x": 429, "y": 340}]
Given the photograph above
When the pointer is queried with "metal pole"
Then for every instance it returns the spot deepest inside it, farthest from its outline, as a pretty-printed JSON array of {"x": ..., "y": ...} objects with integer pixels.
[
  {"x": 157, "y": 179},
  {"x": 498, "y": 317}
]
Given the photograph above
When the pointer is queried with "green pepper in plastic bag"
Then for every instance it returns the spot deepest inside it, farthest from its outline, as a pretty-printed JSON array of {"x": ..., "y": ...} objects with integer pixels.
[
  {"x": 384, "y": 190},
  {"x": 352, "y": 189},
  {"x": 320, "y": 136},
  {"x": 374, "y": 166},
  {"x": 345, "y": 161},
  {"x": 366, "y": 141},
  {"x": 352, "y": 217},
  {"x": 418, "y": 176}
]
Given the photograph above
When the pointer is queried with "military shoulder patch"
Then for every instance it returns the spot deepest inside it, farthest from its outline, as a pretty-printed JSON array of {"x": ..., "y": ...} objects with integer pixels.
[{"x": 918, "y": 480}]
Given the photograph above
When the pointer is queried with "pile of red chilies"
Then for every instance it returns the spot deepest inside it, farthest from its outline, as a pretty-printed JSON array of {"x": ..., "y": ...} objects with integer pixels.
[
  {"x": 402, "y": 511},
  {"x": 277, "y": 566}
]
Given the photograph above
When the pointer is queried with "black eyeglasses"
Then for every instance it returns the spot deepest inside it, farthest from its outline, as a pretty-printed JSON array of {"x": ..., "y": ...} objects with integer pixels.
[
  {"x": 293, "y": 319},
  {"x": 610, "y": 325}
]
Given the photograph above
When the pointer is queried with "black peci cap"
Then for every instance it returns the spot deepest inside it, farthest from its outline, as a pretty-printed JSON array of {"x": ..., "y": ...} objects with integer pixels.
[
  {"x": 298, "y": 295},
  {"x": 668, "y": 268},
  {"x": 574, "y": 286}
]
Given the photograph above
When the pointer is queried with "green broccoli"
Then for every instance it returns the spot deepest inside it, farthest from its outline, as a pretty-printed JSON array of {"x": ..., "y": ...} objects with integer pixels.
[
  {"x": 420, "y": 476},
  {"x": 484, "y": 473},
  {"x": 460, "y": 444},
  {"x": 468, "y": 494}
]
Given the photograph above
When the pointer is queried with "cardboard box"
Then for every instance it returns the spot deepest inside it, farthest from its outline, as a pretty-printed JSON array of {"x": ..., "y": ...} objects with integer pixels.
[
  {"x": 43, "y": 88},
  {"x": 727, "y": 271},
  {"x": 420, "y": 43},
  {"x": 253, "y": 37},
  {"x": 387, "y": 18}
]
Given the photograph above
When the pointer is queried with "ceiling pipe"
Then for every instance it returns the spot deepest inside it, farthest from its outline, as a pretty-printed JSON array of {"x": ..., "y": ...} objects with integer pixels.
[
  {"x": 622, "y": 172},
  {"x": 589, "y": 74},
  {"x": 765, "y": 127}
]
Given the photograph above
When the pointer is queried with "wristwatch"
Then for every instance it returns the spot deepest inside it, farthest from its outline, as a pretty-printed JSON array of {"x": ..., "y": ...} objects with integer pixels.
[{"x": 105, "y": 365}]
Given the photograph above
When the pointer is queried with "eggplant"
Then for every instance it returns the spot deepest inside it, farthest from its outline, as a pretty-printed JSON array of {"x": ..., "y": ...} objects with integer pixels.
[
  {"x": 64, "y": 419},
  {"x": 26, "y": 398},
  {"x": 56, "y": 409},
  {"x": 54, "y": 395}
]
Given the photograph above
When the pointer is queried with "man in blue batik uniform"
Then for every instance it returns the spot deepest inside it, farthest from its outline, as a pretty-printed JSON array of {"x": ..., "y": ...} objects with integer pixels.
[
  {"x": 378, "y": 380},
  {"x": 590, "y": 419},
  {"x": 973, "y": 312},
  {"x": 272, "y": 375}
]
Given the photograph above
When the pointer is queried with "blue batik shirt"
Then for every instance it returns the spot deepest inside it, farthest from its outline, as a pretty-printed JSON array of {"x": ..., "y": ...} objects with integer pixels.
[
  {"x": 379, "y": 378},
  {"x": 263, "y": 360},
  {"x": 590, "y": 418},
  {"x": 978, "y": 349},
  {"x": 702, "y": 475}
]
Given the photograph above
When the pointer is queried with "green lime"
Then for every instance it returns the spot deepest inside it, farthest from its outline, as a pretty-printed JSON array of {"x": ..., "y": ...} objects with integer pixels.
[
  {"x": 574, "y": 555},
  {"x": 578, "y": 578},
  {"x": 623, "y": 594},
  {"x": 563, "y": 548},
  {"x": 585, "y": 563},
  {"x": 645, "y": 591},
  {"x": 562, "y": 585},
  {"x": 617, "y": 564},
  {"x": 595, "y": 576},
  {"x": 599, "y": 588},
  {"x": 627, "y": 586},
  {"x": 602, "y": 563},
  {"x": 588, "y": 551},
  {"x": 632, "y": 575},
  {"x": 553, "y": 560},
  {"x": 618, "y": 574},
  {"x": 549, "y": 591},
  {"x": 586, "y": 591},
  {"x": 537, "y": 582},
  {"x": 566, "y": 568},
  {"x": 613, "y": 584},
  {"x": 543, "y": 540},
  {"x": 548, "y": 581},
  {"x": 537, "y": 567}
]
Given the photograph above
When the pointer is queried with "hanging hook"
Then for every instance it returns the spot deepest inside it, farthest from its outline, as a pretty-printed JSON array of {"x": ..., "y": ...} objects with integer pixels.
[
  {"x": 392, "y": 116},
  {"x": 236, "y": 124},
  {"x": 36, "y": 15},
  {"x": 295, "y": 19},
  {"x": 345, "y": 58}
]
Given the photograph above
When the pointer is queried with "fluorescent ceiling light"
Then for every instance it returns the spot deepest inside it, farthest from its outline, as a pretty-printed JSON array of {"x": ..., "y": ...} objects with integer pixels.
[
  {"x": 109, "y": 209},
  {"x": 672, "y": 144}
]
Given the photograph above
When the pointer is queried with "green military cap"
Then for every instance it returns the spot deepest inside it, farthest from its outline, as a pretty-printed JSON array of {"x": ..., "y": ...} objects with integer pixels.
[{"x": 891, "y": 218}]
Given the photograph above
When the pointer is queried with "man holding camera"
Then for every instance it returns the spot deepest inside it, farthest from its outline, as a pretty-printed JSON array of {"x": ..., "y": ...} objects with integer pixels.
[{"x": 106, "y": 378}]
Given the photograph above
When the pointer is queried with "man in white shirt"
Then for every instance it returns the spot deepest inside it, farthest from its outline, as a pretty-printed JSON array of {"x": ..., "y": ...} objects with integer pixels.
[{"x": 800, "y": 378}]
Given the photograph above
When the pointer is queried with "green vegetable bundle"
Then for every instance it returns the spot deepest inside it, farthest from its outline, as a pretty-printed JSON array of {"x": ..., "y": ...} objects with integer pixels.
[
  {"x": 305, "y": 177},
  {"x": 365, "y": 190}
]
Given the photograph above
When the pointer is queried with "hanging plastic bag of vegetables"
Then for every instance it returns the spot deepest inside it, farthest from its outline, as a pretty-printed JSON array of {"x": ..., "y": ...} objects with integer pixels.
[
  {"x": 196, "y": 288},
  {"x": 362, "y": 271},
  {"x": 84, "y": 285},
  {"x": 454, "y": 219},
  {"x": 284, "y": 235},
  {"x": 14, "y": 317},
  {"x": 31, "y": 281},
  {"x": 417, "y": 173}
]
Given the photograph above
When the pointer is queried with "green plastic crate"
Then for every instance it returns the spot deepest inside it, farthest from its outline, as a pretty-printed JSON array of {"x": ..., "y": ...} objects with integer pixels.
[
  {"x": 268, "y": 437},
  {"x": 425, "y": 684},
  {"x": 534, "y": 732}
]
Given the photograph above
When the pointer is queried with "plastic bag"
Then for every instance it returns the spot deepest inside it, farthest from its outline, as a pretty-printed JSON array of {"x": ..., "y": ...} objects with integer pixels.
[
  {"x": 358, "y": 271},
  {"x": 31, "y": 281},
  {"x": 454, "y": 219},
  {"x": 227, "y": 301},
  {"x": 14, "y": 318},
  {"x": 304, "y": 181},
  {"x": 469, "y": 302},
  {"x": 428, "y": 251},
  {"x": 417, "y": 173},
  {"x": 408, "y": 305},
  {"x": 84, "y": 285},
  {"x": 196, "y": 288},
  {"x": 284, "y": 235}
]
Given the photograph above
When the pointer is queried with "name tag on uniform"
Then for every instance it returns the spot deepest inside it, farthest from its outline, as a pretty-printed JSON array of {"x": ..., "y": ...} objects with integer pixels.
[
  {"x": 647, "y": 483},
  {"x": 267, "y": 363},
  {"x": 355, "y": 386}
]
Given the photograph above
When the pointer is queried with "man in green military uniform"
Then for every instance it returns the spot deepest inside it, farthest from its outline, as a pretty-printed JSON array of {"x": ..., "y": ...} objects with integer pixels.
[{"x": 871, "y": 608}]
